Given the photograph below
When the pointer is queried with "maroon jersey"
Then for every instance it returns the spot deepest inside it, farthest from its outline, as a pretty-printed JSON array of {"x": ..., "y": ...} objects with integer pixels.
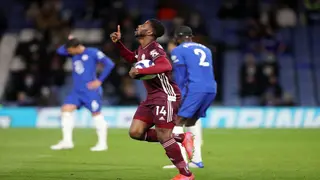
[
  {"x": 164, "y": 96},
  {"x": 162, "y": 86}
]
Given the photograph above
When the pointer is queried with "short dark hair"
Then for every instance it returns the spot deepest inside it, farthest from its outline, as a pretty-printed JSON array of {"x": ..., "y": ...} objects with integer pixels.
[
  {"x": 183, "y": 31},
  {"x": 74, "y": 42},
  {"x": 158, "y": 27}
]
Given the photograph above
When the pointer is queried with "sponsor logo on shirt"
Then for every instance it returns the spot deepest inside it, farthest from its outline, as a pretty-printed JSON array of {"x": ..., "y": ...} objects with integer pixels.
[
  {"x": 154, "y": 53},
  {"x": 161, "y": 118},
  {"x": 85, "y": 57},
  {"x": 174, "y": 59}
]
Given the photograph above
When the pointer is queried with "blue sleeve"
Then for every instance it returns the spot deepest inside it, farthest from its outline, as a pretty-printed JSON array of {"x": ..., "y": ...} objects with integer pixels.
[
  {"x": 62, "y": 51},
  {"x": 176, "y": 57},
  {"x": 108, "y": 65},
  {"x": 179, "y": 68},
  {"x": 180, "y": 76}
]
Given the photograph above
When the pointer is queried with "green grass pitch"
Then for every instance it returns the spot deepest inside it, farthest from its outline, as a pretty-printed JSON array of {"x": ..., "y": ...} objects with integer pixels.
[{"x": 259, "y": 154}]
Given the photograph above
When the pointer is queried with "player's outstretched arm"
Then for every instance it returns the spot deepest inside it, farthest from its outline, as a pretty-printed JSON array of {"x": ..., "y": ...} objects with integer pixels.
[
  {"x": 108, "y": 66},
  {"x": 124, "y": 52},
  {"x": 162, "y": 65},
  {"x": 62, "y": 51}
]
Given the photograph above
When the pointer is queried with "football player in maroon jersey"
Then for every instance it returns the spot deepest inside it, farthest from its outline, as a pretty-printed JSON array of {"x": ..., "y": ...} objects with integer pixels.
[{"x": 163, "y": 99}]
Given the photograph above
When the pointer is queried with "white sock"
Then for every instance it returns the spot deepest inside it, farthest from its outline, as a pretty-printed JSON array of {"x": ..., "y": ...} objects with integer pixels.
[
  {"x": 199, "y": 124},
  {"x": 101, "y": 128},
  {"x": 179, "y": 130},
  {"x": 67, "y": 123},
  {"x": 196, "y": 130}
]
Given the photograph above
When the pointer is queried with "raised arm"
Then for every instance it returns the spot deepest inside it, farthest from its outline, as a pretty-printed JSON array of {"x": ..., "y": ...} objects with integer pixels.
[
  {"x": 124, "y": 52},
  {"x": 62, "y": 51}
]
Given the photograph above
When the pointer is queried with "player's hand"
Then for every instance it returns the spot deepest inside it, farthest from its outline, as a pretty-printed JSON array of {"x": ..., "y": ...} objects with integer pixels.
[
  {"x": 94, "y": 84},
  {"x": 133, "y": 72},
  {"x": 116, "y": 36},
  {"x": 70, "y": 37}
]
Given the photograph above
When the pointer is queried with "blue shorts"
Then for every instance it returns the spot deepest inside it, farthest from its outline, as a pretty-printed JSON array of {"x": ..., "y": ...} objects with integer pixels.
[
  {"x": 195, "y": 105},
  {"x": 92, "y": 100}
]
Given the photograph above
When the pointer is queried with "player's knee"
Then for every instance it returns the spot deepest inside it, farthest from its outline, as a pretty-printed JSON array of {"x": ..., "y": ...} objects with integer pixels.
[
  {"x": 68, "y": 108},
  {"x": 163, "y": 134},
  {"x": 180, "y": 121},
  {"x": 136, "y": 134},
  {"x": 95, "y": 114}
]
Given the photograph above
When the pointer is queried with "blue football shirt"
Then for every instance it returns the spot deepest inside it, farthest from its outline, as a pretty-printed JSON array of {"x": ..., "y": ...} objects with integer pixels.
[
  {"x": 193, "y": 68},
  {"x": 84, "y": 66}
]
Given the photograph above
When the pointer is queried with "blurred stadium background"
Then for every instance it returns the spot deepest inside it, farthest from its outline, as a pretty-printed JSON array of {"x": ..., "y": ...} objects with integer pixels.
[{"x": 267, "y": 65}]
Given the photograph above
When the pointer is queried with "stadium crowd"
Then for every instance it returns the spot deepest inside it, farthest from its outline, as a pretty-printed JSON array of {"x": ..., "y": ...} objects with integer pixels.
[
  {"x": 259, "y": 73},
  {"x": 41, "y": 77}
]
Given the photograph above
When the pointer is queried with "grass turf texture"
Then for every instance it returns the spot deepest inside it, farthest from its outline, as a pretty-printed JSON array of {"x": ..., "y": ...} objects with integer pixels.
[{"x": 229, "y": 155}]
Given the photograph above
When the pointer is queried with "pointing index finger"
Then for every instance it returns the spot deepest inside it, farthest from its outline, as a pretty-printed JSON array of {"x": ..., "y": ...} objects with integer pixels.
[{"x": 118, "y": 28}]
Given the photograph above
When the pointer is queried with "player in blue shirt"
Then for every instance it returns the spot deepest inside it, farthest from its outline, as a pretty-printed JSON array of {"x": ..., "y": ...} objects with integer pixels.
[
  {"x": 86, "y": 91},
  {"x": 193, "y": 70}
]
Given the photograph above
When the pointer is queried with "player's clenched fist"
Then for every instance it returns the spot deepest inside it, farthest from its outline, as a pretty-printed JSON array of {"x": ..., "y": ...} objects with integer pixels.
[{"x": 116, "y": 36}]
